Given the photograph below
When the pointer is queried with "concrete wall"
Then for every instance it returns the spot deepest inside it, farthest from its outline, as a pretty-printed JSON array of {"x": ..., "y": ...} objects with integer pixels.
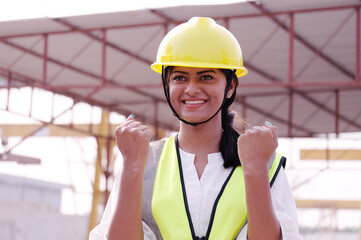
[{"x": 30, "y": 210}]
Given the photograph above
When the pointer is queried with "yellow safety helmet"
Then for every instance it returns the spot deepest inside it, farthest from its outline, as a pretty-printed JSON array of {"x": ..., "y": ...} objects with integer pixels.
[{"x": 200, "y": 43}]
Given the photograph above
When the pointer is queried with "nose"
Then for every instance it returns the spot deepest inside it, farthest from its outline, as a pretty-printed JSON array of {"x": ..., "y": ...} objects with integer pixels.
[{"x": 192, "y": 88}]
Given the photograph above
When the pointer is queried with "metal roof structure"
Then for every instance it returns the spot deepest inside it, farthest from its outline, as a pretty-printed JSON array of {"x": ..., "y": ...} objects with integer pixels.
[{"x": 303, "y": 59}]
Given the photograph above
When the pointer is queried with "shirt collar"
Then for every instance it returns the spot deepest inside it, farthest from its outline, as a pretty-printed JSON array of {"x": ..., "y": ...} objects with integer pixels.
[{"x": 213, "y": 158}]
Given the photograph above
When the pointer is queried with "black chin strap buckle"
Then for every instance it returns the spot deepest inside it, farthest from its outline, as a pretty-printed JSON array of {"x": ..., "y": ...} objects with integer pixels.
[{"x": 200, "y": 238}]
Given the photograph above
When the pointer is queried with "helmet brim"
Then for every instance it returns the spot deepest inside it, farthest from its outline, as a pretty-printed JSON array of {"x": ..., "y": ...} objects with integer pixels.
[{"x": 158, "y": 67}]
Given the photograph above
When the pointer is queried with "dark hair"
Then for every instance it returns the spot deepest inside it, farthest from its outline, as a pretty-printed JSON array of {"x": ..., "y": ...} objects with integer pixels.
[{"x": 232, "y": 126}]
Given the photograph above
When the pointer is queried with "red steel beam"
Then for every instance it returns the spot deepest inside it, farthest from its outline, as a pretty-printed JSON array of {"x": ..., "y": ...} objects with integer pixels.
[
  {"x": 358, "y": 42},
  {"x": 331, "y": 112},
  {"x": 304, "y": 41},
  {"x": 48, "y": 123},
  {"x": 328, "y": 40},
  {"x": 244, "y": 106},
  {"x": 260, "y": 111},
  {"x": 78, "y": 98},
  {"x": 241, "y": 84},
  {"x": 337, "y": 111},
  {"x": 52, "y": 105},
  {"x": 357, "y": 116},
  {"x": 151, "y": 38},
  {"x": 32, "y": 82},
  {"x": 74, "y": 28},
  {"x": 290, "y": 113},
  {"x": 300, "y": 84},
  {"x": 36, "y": 130},
  {"x": 45, "y": 58},
  {"x": 161, "y": 15},
  {"x": 312, "y": 114},
  {"x": 178, "y": 22},
  {"x": 283, "y": 92},
  {"x": 31, "y": 102},
  {"x": 57, "y": 62},
  {"x": 12, "y": 64},
  {"x": 276, "y": 118},
  {"x": 291, "y": 49},
  {"x": 8, "y": 93},
  {"x": 315, "y": 102},
  {"x": 104, "y": 50},
  {"x": 262, "y": 45},
  {"x": 111, "y": 45},
  {"x": 156, "y": 116},
  {"x": 89, "y": 74},
  {"x": 75, "y": 56}
]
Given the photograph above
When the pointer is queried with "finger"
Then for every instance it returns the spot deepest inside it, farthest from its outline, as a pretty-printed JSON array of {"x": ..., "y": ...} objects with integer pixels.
[
  {"x": 134, "y": 124},
  {"x": 254, "y": 129},
  {"x": 147, "y": 133},
  {"x": 127, "y": 121},
  {"x": 143, "y": 128},
  {"x": 274, "y": 130}
]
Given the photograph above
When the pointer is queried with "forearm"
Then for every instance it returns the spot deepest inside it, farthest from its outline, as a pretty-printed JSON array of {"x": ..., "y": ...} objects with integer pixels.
[
  {"x": 127, "y": 219},
  {"x": 262, "y": 220}
]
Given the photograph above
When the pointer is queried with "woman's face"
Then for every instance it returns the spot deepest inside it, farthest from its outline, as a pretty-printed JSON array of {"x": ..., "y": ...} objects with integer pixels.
[{"x": 196, "y": 93}]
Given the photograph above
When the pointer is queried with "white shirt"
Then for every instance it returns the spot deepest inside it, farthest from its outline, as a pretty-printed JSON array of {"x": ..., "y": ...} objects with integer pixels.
[{"x": 201, "y": 194}]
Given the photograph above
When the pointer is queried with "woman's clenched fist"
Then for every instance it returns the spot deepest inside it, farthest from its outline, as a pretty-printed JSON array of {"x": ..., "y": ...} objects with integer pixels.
[
  {"x": 256, "y": 147},
  {"x": 133, "y": 142}
]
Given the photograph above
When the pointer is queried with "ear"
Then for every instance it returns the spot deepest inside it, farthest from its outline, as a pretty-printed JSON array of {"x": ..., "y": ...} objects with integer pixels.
[{"x": 231, "y": 88}]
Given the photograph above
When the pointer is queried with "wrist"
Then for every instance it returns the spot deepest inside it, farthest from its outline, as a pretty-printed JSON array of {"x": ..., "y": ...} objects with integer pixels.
[
  {"x": 255, "y": 170},
  {"x": 133, "y": 168}
]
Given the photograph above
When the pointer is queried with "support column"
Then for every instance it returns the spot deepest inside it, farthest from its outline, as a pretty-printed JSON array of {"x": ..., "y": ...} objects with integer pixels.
[
  {"x": 45, "y": 59},
  {"x": 8, "y": 93},
  {"x": 290, "y": 114},
  {"x": 290, "y": 61},
  {"x": 104, "y": 56},
  {"x": 358, "y": 42},
  {"x": 102, "y": 145},
  {"x": 337, "y": 110},
  {"x": 108, "y": 170},
  {"x": 244, "y": 108},
  {"x": 359, "y": 230}
]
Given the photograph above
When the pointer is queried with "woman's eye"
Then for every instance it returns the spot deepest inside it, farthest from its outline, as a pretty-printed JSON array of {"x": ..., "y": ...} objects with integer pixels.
[
  {"x": 178, "y": 78},
  {"x": 206, "y": 77}
]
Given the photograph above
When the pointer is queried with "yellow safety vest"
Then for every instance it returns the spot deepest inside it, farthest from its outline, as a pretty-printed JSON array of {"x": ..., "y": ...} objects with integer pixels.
[{"x": 169, "y": 201}]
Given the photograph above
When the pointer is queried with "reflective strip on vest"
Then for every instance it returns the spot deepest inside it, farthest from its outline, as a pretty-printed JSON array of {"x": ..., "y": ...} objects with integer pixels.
[{"x": 170, "y": 207}]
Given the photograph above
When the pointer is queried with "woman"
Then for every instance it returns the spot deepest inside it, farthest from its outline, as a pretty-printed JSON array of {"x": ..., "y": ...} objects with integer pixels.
[{"x": 210, "y": 181}]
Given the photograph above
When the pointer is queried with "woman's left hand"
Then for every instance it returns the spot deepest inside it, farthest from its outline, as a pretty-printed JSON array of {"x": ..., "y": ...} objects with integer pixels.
[{"x": 256, "y": 146}]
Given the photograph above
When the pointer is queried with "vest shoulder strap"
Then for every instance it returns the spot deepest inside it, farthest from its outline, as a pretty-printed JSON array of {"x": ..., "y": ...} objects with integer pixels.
[
  {"x": 155, "y": 149},
  {"x": 274, "y": 165}
]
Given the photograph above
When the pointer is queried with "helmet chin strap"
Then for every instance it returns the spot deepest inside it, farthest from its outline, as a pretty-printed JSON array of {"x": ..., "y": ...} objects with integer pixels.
[{"x": 166, "y": 93}]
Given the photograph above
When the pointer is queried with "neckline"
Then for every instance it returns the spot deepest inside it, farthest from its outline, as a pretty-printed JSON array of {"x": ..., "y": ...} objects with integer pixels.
[
  {"x": 213, "y": 158},
  {"x": 185, "y": 200}
]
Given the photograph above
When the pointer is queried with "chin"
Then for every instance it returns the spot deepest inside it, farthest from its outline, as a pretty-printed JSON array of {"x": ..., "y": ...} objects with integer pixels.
[{"x": 195, "y": 119}]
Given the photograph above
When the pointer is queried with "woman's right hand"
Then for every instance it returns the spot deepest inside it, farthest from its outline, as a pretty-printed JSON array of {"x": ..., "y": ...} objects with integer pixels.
[{"x": 133, "y": 139}]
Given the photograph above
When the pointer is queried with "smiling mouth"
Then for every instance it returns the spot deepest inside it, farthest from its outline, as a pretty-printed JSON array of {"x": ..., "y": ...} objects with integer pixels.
[{"x": 194, "y": 102}]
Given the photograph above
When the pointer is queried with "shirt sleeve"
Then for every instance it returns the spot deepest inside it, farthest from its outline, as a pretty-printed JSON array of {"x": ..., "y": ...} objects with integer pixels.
[
  {"x": 284, "y": 207},
  {"x": 100, "y": 231}
]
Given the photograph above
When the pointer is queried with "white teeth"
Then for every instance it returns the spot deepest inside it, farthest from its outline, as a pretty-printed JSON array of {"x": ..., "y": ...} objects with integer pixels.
[{"x": 194, "y": 102}]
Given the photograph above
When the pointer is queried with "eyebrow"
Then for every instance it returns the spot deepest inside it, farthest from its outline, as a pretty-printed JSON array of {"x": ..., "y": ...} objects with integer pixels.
[{"x": 198, "y": 73}]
